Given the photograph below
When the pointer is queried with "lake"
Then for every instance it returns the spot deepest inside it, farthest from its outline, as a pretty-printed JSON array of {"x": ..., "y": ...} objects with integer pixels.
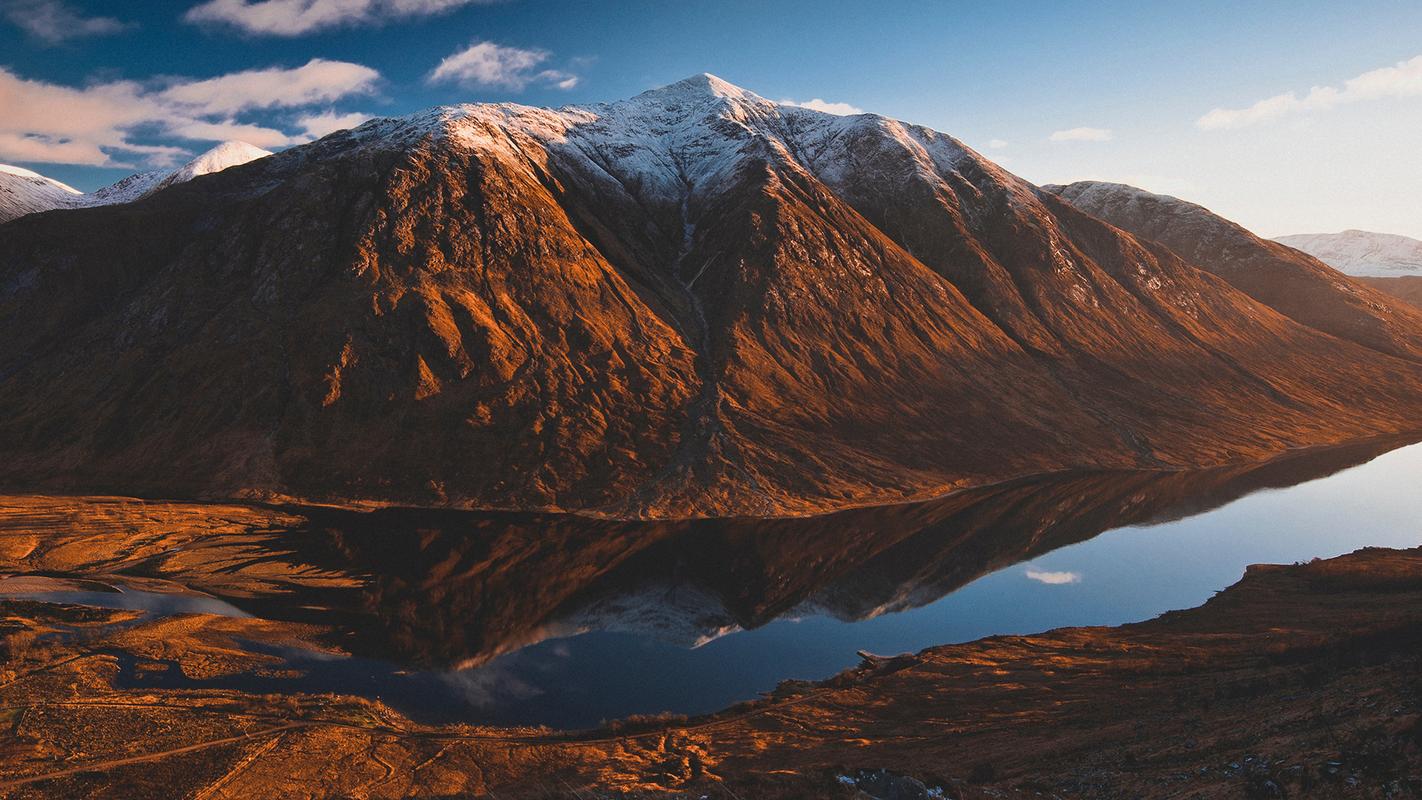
[{"x": 566, "y": 621}]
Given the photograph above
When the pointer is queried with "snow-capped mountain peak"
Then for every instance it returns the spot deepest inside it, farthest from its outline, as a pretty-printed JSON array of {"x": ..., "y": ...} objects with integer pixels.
[
  {"x": 134, "y": 187},
  {"x": 24, "y": 191},
  {"x": 32, "y": 175},
  {"x": 1361, "y": 253},
  {"x": 697, "y": 89},
  {"x": 681, "y": 144},
  {"x": 223, "y": 156}
]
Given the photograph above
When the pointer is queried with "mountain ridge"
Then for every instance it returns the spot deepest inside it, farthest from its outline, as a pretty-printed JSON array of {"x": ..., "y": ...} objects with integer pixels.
[{"x": 36, "y": 192}]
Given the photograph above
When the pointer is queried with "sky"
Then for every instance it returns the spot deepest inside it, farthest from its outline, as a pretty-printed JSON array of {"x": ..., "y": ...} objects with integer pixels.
[{"x": 1288, "y": 117}]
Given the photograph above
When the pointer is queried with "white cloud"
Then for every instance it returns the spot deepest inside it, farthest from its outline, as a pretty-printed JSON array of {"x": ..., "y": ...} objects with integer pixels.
[
  {"x": 48, "y": 122},
  {"x": 105, "y": 124},
  {"x": 842, "y": 109},
  {"x": 317, "y": 81},
  {"x": 494, "y": 65},
  {"x": 228, "y": 130},
  {"x": 314, "y": 126},
  {"x": 1052, "y": 578},
  {"x": 297, "y": 17},
  {"x": 997, "y": 144},
  {"x": 1082, "y": 135},
  {"x": 1403, "y": 79},
  {"x": 53, "y": 21}
]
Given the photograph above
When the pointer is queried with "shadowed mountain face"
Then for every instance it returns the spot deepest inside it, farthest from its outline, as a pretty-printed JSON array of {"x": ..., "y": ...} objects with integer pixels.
[
  {"x": 446, "y": 587},
  {"x": 694, "y": 302}
]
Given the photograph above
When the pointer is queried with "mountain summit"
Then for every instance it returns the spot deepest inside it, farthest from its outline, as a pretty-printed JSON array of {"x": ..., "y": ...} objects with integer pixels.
[{"x": 691, "y": 302}]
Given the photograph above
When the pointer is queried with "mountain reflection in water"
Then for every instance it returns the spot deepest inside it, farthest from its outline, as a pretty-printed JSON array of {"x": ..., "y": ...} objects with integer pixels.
[{"x": 457, "y": 588}]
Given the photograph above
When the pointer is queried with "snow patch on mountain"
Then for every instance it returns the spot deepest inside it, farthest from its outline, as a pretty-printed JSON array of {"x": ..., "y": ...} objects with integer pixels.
[
  {"x": 1361, "y": 253},
  {"x": 24, "y": 192},
  {"x": 219, "y": 158}
]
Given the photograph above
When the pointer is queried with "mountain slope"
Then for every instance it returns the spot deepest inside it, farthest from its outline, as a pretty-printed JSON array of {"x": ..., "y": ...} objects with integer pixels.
[
  {"x": 1407, "y": 288},
  {"x": 1361, "y": 253},
  {"x": 24, "y": 192},
  {"x": 692, "y": 302},
  {"x": 1294, "y": 283}
]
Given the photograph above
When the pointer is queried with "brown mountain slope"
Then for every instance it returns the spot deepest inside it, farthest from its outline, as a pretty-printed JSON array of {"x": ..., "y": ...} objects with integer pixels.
[
  {"x": 1288, "y": 280},
  {"x": 1407, "y": 288},
  {"x": 693, "y": 302}
]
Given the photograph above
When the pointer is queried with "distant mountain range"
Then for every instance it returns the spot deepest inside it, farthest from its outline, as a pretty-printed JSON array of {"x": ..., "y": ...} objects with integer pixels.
[
  {"x": 695, "y": 302},
  {"x": 25, "y": 192},
  {"x": 1362, "y": 253}
]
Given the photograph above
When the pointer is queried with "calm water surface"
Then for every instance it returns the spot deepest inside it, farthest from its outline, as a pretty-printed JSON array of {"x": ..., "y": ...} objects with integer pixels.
[{"x": 1125, "y": 574}]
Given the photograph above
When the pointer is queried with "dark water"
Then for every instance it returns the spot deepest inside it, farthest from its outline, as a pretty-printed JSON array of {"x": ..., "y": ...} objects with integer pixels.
[{"x": 564, "y": 621}]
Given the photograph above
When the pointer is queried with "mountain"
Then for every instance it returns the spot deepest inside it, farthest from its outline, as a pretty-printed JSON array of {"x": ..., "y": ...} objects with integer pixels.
[
  {"x": 693, "y": 302},
  {"x": 1289, "y": 281},
  {"x": 1362, "y": 253},
  {"x": 24, "y": 192}
]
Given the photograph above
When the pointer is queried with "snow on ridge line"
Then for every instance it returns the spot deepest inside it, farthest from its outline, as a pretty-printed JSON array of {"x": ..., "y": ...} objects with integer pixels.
[
  {"x": 21, "y": 172},
  {"x": 689, "y": 135}
]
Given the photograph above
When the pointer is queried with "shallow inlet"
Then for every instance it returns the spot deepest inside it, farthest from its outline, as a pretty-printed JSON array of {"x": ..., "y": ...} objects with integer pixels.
[{"x": 564, "y": 621}]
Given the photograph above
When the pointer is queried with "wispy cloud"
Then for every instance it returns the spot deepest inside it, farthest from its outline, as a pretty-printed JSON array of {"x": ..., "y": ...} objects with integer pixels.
[
  {"x": 1052, "y": 578},
  {"x": 317, "y": 81},
  {"x": 298, "y": 17},
  {"x": 816, "y": 104},
  {"x": 317, "y": 125},
  {"x": 228, "y": 130},
  {"x": 1082, "y": 135},
  {"x": 110, "y": 124},
  {"x": 1403, "y": 79},
  {"x": 54, "y": 21},
  {"x": 997, "y": 144},
  {"x": 485, "y": 64}
]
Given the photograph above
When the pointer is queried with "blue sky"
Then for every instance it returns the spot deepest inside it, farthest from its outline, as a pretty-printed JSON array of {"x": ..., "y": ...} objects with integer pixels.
[{"x": 1054, "y": 91}]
